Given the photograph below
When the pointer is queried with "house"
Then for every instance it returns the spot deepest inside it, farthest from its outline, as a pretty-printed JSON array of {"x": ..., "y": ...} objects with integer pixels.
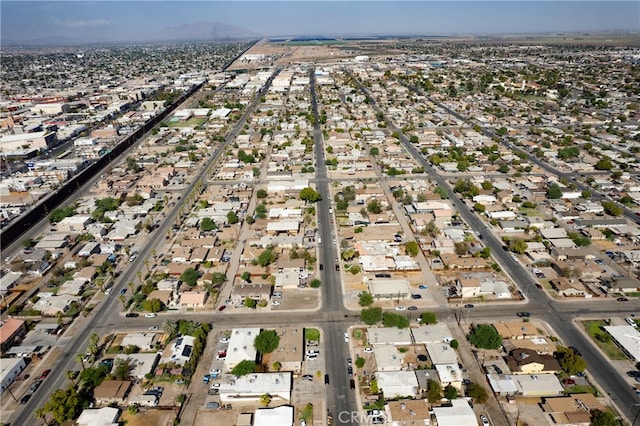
[
  {"x": 527, "y": 361},
  {"x": 574, "y": 409},
  {"x": 143, "y": 341},
  {"x": 106, "y": 416},
  {"x": 389, "y": 289},
  {"x": 252, "y": 386},
  {"x": 241, "y": 346},
  {"x": 627, "y": 338},
  {"x": 397, "y": 383},
  {"x": 388, "y": 358},
  {"x": 11, "y": 332},
  {"x": 180, "y": 352},
  {"x": 278, "y": 416},
  {"x": 408, "y": 412},
  {"x": 568, "y": 288},
  {"x": 8, "y": 281},
  {"x": 145, "y": 400},
  {"x": 193, "y": 299},
  {"x": 389, "y": 336},
  {"x": 290, "y": 349},
  {"x": 537, "y": 384},
  {"x": 10, "y": 368},
  {"x": 141, "y": 363},
  {"x": 459, "y": 413},
  {"x": 112, "y": 391},
  {"x": 433, "y": 333},
  {"x": 49, "y": 305}
]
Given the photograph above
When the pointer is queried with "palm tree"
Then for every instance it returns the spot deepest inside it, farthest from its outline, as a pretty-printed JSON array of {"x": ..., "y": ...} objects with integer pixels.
[
  {"x": 80, "y": 358},
  {"x": 170, "y": 327}
]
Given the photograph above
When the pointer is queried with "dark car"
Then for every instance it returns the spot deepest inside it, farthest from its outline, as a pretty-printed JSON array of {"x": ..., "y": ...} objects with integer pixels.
[
  {"x": 25, "y": 398},
  {"x": 497, "y": 369},
  {"x": 352, "y": 384},
  {"x": 468, "y": 306},
  {"x": 44, "y": 374},
  {"x": 412, "y": 308},
  {"x": 523, "y": 314},
  {"x": 132, "y": 315},
  {"x": 635, "y": 373},
  {"x": 622, "y": 299},
  {"x": 326, "y": 379},
  {"x": 123, "y": 291},
  {"x": 416, "y": 296},
  {"x": 337, "y": 267},
  {"x": 350, "y": 370},
  {"x": 222, "y": 308},
  {"x": 321, "y": 267}
]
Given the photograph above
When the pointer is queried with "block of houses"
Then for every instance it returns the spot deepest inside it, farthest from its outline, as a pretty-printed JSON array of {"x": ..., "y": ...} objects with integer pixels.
[
  {"x": 105, "y": 416},
  {"x": 397, "y": 383},
  {"x": 573, "y": 409}
]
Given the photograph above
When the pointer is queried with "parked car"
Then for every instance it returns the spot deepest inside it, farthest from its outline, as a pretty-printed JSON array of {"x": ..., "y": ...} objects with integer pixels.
[
  {"x": 212, "y": 405},
  {"x": 150, "y": 315},
  {"x": 123, "y": 291},
  {"x": 308, "y": 377},
  {"x": 25, "y": 398},
  {"x": 622, "y": 299},
  {"x": 326, "y": 379},
  {"x": 416, "y": 296},
  {"x": 222, "y": 308},
  {"x": 352, "y": 384},
  {"x": 132, "y": 315},
  {"x": 154, "y": 328},
  {"x": 44, "y": 374},
  {"x": 423, "y": 287},
  {"x": 224, "y": 339},
  {"x": 400, "y": 308},
  {"x": 523, "y": 314},
  {"x": 346, "y": 337},
  {"x": 568, "y": 382},
  {"x": 484, "y": 420},
  {"x": 468, "y": 306},
  {"x": 412, "y": 308},
  {"x": 368, "y": 350}
]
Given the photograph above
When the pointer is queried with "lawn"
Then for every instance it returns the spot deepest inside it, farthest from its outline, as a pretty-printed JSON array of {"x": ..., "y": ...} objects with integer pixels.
[
  {"x": 603, "y": 340},
  {"x": 192, "y": 122},
  {"x": 311, "y": 334},
  {"x": 581, "y": 389}
]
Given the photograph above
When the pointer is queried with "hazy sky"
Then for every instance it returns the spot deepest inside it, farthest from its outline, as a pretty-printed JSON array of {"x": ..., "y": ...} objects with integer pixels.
[{"x": 139, "y": 20}]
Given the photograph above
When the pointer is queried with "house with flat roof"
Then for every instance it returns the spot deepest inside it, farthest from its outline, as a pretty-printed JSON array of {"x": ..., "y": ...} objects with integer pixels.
[
  {"x": 459, "y": 413},
  {"x": 389, "y": 289},
  {"x": 252, "y": 386},
  {"x": 179, "y": 352},
  {"x": 573, "y": 409},
  {"x": 10, "y": 368},
  {"x": 278, "y": 416},
  {"x": 144, "y": 341},
  {"x": 432, "y": 333},
  {"x": 388, "y": 358},
  {"x": 408, "y": 412},
  {"x": 290, "y": 351},
  {"x": 397, "y": 383},
  {"x": 388, "y": 336},
  {"x": 537, "y": 384},
  {"x": 106, "y": 416},
  {"x": 241, "y": 346},
  {"x": 627, "y": 338},
  {"x": 141, "y": 364}
]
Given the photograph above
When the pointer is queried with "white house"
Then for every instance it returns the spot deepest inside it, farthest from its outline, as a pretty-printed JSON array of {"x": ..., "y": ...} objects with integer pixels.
[
  {"x": 10, "y": 368},
  {"x": 252, "y": 386},
  {"x": 241, "y": 346},
  {"x": 397, "y": 383}
]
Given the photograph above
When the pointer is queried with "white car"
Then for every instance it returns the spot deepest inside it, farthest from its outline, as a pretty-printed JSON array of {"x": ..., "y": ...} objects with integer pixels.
[
  {"x": 312, "y": 352},
  {"x": 224, "y": 340},
  {"x": 150, "y": 315},
  {"x": 311, "y": 357},
  {"x": 275, "y": 302},
  {"x": 368, "y": 350},
  {"x": 400, "y": 308},
  {"x": 346, "y": 337},
  {"x": 484, "y": 420}
]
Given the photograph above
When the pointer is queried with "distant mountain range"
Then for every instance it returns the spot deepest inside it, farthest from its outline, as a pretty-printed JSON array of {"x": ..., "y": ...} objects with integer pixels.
[
  {"x": 204, "y": 31},
  {"x": 197, "y": 31}
]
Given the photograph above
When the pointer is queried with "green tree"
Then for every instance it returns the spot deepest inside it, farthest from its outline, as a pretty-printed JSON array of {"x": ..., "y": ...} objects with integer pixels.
[
  {"x": 480, "y": 208},
  {"x": 250, "y": 303},
  {"x": 412, "y": 248},
  {"x": 554, "y": 192},
  {"x": 64, "y": 405},
  {"x": 518, "y": 245},
  {"x": 485, "y": 336},
  {"x": 244, "y": 367},
  {"x": 265, "y": 399},
  {"x": 604, "y": 418},
  {"x": 207, "y": 224},
  {"x": 190, "y": 277},
  {"x": 389, "y": 319},
  {"x": 261, "y": 193},
  {"x": 152, "y": 305},
  {"x": 477, "y": 392},
  {"x": 360, "y": 362},
  {"x": 310, "y": 195},
  {"x": 266, "y": 257},
  {"x": 374, "y": 207},
  {"x": 454, "y": 344},
  {"x": 434, "y": 391},
  {"x": 461, "y": 248},
  {"x": 428, "y": 318},
  {"x": 232, "y": 218},
  {"x": 315, "y": 283},
  {"x": 374, "y": 151},
  {"x": 611, "y": 208},
  {"x": 60, "y": 213},
  {"x": 570, "y": 362},
  {"x": 246, "y": 276},
  {"x": 579, "y": 239},
  {"x": 450, "y": 392},
  {"x": 266, "y": 342},
  {"x": 371, "y": 316},
  {"x": 604, "y": 164},
  {"x": 122, "y": 369},
  {"x": 365, "y": 299}
]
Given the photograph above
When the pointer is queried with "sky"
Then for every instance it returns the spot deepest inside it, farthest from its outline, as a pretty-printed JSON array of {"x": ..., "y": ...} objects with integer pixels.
[{"x": 90, "y": 21}]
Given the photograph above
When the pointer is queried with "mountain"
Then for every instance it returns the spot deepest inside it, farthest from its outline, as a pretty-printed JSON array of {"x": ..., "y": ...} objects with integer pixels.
[{"x": 204, "y": 31}]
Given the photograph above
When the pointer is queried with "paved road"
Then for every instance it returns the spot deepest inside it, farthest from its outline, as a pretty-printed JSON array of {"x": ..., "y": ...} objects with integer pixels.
[{"x": 340, "y": 398}]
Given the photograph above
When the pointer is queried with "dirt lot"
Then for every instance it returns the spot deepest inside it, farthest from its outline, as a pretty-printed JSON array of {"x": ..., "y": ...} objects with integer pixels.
[{"x": 148, "y": 417}]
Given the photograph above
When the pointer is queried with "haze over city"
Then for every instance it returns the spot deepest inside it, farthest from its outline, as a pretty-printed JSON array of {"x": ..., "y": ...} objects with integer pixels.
[{"x": 113, "y": 21}]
